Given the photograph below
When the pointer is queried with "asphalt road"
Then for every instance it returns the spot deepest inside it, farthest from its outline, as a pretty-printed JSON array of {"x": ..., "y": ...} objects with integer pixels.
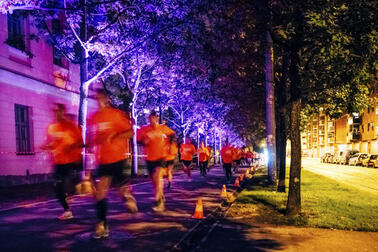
[
  {"x": 363, "y": 178},
  {"x": 36, "y": 228}
]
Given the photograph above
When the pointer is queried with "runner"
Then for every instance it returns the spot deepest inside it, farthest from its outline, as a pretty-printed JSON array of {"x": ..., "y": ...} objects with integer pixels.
[
  {"x": 243, "y": 156},
  {"x": 154, "y": 138},
  {"x": 111, "y": 130},
  {"x": 64, "y": 141},
  {"x": 236, "y": 157},
  {"x": 187, "y": 150},
  {"x": 208, "y": 159},
  {"x": 249, "y": 157},
  {"x": 204, "y": 155},
  {"x": 170, "y": 159},
  {"x": 226, "y": 154}
]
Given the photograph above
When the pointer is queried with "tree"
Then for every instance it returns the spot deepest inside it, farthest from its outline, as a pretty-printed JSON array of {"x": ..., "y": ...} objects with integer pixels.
[{"x": 329, "y": 63}]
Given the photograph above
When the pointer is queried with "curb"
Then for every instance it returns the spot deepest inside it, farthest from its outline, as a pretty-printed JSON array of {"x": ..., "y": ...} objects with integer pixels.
[{"x": 211, "y": 220}]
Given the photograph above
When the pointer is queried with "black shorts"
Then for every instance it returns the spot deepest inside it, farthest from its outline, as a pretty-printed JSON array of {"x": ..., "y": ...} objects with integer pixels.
[
  {"x": 170, "y": 162},
  {"x": 187, "y": 163},
  {"x": 227, "y": 166},
  {"x": 152, "y": 165},
  {"x": 118, "y": 171},
  {"x": 68, "y": 175}
]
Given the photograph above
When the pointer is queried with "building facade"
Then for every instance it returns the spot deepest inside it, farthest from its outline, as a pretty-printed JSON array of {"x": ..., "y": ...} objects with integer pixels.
[
  {"x": 357, "y": 131},
  {"x": 33, "y": 76}
]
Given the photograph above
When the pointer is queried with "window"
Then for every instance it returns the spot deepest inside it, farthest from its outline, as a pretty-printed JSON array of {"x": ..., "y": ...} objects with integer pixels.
[
  {"x": 16, "y": 36},
  {"x": 23, "y": 130},
  {"x": 56, "y": 30}
]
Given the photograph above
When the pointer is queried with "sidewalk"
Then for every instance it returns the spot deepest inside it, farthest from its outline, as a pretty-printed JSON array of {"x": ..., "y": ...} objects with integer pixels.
[{"x": 235, "y": 234}]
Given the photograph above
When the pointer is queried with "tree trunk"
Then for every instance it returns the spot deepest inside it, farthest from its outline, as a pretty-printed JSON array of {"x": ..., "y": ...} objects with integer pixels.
[
  {"x": 270, "y": 117},
  {"x": 134, "y": 171},
  {"x": 83, "y": 103},
  {"x": 294, "y": 197},
  {"x": 281, "y": 131}
]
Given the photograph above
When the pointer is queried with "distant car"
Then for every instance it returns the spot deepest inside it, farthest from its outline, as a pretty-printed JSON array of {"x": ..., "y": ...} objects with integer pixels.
[
  {"x": 365, "y": 160},
  {"x": 356, "y": 159},
  {"x": 330, "y": 159},
  {"x": 324, "y": 158},
  {"x": 346, "y": 155},
  {"x": 373, "y": 161}
]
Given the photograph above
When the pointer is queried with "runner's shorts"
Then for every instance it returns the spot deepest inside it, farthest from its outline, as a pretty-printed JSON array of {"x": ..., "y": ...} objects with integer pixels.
[
  {"x": 186, "y": 162},
  {"x": 118, "y": 171},
  {"x": 170, "y": 162},
  {"x": 227, "y": 166},
  {"x": 152, "y": 165},
  {"x": 68, "y": 175}
]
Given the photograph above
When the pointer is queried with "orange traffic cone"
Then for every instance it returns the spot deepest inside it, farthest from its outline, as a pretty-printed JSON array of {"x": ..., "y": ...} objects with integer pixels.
[
  {"x": 241, "y": 177},
  {"x": 237, "y": 182},
  {"x": 224, "y": 192},
  {"x": 198, "y": 212}
]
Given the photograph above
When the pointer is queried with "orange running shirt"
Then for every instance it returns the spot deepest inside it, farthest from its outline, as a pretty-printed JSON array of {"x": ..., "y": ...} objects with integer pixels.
[
  {"x": 203, "y": 154},
  {"x": 61, "y": 136},
  {"x": 226, "y": 154},
  {"x": 187, "y": 150},
  {"x": 106, "y": 122},
  {"x": 172, "y": 151},
  {"x": 154, "y": 140}
]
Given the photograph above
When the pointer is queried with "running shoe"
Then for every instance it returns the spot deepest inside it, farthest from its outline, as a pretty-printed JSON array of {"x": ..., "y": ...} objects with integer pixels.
[
  {"x": 159, "y": 206},
  {"x": 66, "y": 215},
  {"x": 101, "y": 231},
  {"x": 131, "y": 204}
]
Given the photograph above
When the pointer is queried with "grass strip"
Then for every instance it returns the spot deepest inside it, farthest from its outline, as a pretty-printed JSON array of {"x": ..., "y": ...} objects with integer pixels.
[{"x": 326, "y": 203}]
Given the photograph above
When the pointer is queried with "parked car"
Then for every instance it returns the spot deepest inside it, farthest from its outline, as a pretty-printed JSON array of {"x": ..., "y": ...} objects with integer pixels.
[
  {"x": 346, "y": 155},
  {"x": 373, "y": 161},
  {"x": 365, "y": 160},
  {"x": 324, "y": 158},
  {"x": 330, "y": 159},
  {"x": 356, "y": 159}
]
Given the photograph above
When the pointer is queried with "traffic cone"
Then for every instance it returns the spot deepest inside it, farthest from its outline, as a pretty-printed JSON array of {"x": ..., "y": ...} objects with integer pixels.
[
  {"x": 241, "y": 178},
  {"x": 237, "y": 182},
  {"x": 198, "y": 212},
  {"x": 224, "y": 192}
]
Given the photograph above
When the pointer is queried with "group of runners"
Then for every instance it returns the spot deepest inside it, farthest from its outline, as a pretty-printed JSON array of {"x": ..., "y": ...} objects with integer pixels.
[{"x": 110, "y": 130}]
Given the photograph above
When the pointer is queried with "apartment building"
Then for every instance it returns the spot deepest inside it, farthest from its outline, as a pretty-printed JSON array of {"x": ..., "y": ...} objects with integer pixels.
[
  {"x": 357, "y": 131},
  {"x": 33, "y": 76}
]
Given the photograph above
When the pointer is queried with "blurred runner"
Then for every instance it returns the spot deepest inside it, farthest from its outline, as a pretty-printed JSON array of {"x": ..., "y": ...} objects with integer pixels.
[
  {"x": 170, "y": 159},
  {"x": 236, "y": 158},
  {"x": 243, "y": 156},
  {"x": 204, "y": 155},
  {"x": 64, "y": 141},
  {"x": 249, "y": 155},
  {"x": 226, "y": 154},
  {"x": 208, "y": 159},
  {"x": 111, "y": 130},
  {"x": 154, "y": 138},
  {"x": 187, "y": 150}
]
